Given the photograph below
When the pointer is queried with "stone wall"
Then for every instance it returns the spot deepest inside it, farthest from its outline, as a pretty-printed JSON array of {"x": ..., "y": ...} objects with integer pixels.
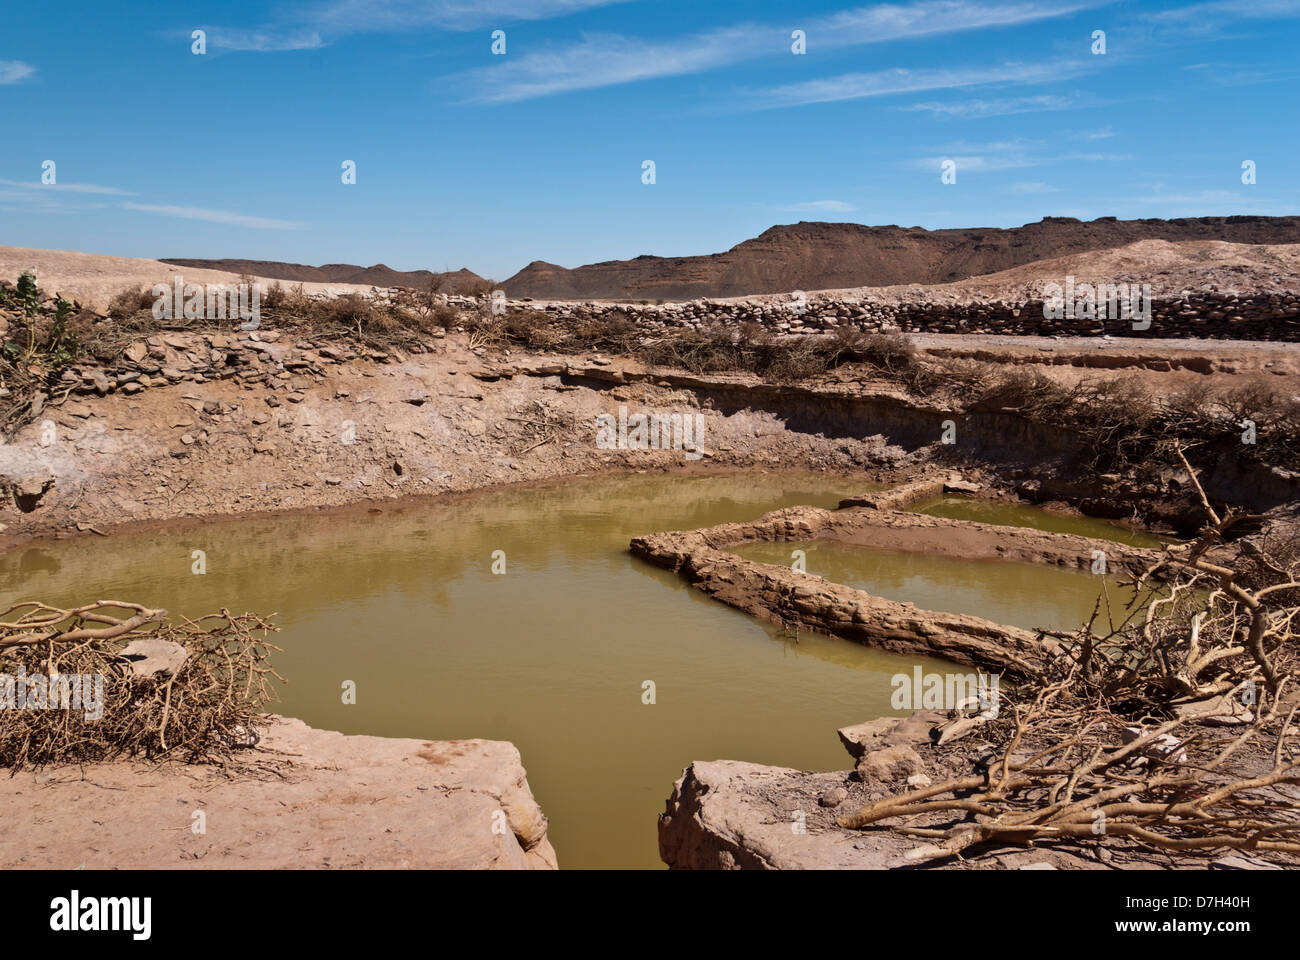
[{"x": 1210, "y": 314}]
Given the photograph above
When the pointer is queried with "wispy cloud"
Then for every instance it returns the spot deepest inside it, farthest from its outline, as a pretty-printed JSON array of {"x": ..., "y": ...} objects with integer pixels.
[
  {"x": 611, "y": 59},
  {"x": 217, "y": 216},
  {"x": 366, "y": 16},
  {"x": 978, "y": 164},
  {"x": 819, "y": 206},
  {"x": 1005, "y": 155},
  {"x": 66, "y": 187},
  {"x": 977, "y": 109},
  {"x": 1031, "y": 188},
  {"x": 268, "y": 40},
  {"x": 854, "y": 86},
  {"x": 313, "y": 27},
  {"x": 1105, "y": 133},
  {"x": 1190, "y": 203},
  {"x": 1216, "y": 11},
  {"x": 15, "y": 71}
]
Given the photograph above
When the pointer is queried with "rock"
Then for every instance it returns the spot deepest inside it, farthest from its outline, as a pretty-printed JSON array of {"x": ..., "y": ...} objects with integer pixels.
[
  {"x": 1163, "y": 748},
  {"x": 918, "y": 780},
  {"x": 150, "y": 655},
  {"x": 28, "y": 493},
  {"x": 98, "y": 382},
  {"x": 833, "y": 797},
  {"x": 861, "y": 737},
  {"x": 137, "y": 350},
  {"x": 962, "y": 486},
  {"x": 890, "y": 763}
]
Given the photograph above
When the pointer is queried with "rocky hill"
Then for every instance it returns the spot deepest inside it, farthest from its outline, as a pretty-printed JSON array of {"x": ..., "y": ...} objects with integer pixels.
[{"x": 821, "y": 256}]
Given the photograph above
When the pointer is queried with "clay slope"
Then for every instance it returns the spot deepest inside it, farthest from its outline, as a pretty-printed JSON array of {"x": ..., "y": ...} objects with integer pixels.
[
  {"x": 455, "y": 281},
  {"x": 821, "y": 256}
]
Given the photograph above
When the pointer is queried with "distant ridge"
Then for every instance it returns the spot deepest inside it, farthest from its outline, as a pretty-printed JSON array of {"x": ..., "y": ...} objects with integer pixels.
[
  {"x": 456, "y": 281},
  {"x": 821, "y": 256}
]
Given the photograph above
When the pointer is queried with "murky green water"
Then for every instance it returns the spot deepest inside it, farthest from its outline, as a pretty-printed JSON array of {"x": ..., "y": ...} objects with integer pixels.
[
  {"x": 1024, "y": 515},
  {"x": 553, "y": 654},
  {"x": 1022, "y": 594}
]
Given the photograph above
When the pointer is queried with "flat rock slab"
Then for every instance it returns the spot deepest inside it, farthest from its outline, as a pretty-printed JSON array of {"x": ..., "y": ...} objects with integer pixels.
[
  {"x": 344, "y": 801},
  {"x": 729, "y": 815}
]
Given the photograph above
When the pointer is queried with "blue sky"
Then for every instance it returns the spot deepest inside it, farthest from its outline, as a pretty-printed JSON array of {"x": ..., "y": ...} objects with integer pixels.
[{"x": 466, "y": 158}]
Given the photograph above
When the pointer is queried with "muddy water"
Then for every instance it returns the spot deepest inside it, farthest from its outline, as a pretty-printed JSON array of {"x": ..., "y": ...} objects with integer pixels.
[
  {"x": 1022, "y": 594},
  {"x": 1023, "y": 515},
  {"x": 551, "y": 655}
]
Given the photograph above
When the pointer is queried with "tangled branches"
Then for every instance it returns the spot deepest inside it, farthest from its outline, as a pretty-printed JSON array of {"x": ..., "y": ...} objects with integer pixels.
[
  {"x": 1085, "y": 781},
  {"x": 113, "y": 679},
  {"x": 1171, "y": 729}
]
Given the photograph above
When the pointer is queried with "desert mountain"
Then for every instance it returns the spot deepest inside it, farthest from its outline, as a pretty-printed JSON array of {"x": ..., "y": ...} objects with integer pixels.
[
  {"x": 820, "y": 256},
  {"x": 456, "y": 281}
]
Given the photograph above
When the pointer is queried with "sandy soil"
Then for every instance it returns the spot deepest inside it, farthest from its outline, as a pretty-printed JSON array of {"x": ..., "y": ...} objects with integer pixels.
[{"x": 94, "y": 279}]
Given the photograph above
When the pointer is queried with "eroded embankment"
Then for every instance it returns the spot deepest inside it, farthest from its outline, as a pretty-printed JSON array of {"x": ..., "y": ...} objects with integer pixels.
[
  {"x": 1047, "y": 459},
  {"x": 195, "y": 424}
]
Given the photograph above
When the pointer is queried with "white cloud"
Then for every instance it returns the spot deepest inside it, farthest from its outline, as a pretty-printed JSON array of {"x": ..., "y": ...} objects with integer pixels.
[
  {"x": 217, "y": 216},
  {"x": 607, "y": 60},
  {"x": 358, "y": 16},
  {"x": 15, "y": 71},
  {"x": 263, "y": 41},
  {"x": 1031, "y": 188},
  {"x": 854, "y": 86},
  {"x": 1213, "y": 10},
  {"x": 820, "y": 206},
  {"x": 979, "y": 164},
  {"x": 67, "y": 187},
  {"x": 974, "y": 109}
]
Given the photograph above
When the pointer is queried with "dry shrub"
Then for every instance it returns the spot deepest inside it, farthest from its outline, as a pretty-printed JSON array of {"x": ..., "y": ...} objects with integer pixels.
[
  {"x": 130, "y": 301},
  {"x": 614, "y": 332},
  {"x": 202, "y": 712}
]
